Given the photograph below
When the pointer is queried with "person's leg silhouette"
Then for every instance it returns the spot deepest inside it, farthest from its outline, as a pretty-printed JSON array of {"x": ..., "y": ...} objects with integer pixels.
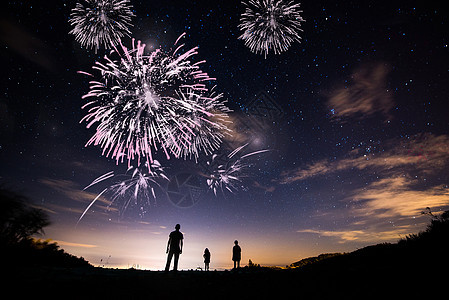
[
  {"x": 175, "y": 263},
  {"x": 169, "y": 257}
]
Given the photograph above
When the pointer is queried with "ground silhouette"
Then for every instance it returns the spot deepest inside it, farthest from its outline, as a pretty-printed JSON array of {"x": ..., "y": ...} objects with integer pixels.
[
  {"x": 19, "y": 222},
  {"x": 414, "y": 267}
]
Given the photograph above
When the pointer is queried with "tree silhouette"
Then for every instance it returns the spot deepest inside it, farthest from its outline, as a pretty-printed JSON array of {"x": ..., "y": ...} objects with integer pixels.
[{"x": 18, "y": 220}]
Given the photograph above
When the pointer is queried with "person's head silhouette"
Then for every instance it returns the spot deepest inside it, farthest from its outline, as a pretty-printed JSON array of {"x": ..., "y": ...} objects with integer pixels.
[
  {"x": 236, "y": 242},
  {"x": 177, "y": 227}
]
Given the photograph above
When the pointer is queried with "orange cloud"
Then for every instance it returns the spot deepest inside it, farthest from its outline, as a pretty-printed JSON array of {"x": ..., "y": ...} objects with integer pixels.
[
  {"x": 70, "y": 244},
  {"x": 368, "y": 235},
  {"x": 395, "y": 198},
  {"x": 385, "y": 211}
]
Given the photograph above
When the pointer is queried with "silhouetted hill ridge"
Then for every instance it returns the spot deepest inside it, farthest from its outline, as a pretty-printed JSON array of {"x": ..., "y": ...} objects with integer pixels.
[
  {"x": 38, "y": 253},
  {"x": 418, "y": 251}
]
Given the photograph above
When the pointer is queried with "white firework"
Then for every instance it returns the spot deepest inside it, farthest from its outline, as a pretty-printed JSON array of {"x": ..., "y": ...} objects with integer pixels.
[
  {"x": 137, "y": 102},
  {"x": 204, "y": 128},
  {"x": 229, "y": 174},
  {"x": 99, "y": 23},
  {"x": 135, "y": 187},
  {"x": 270, "y": 25}
]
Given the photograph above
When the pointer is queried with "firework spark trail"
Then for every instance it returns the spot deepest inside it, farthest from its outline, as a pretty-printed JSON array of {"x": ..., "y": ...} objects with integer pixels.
[
  {"x": 100, "y": 179},
  {"x": 99, "y": 23},
  {"x": 270, "y": 25},
  {"x": 90, "y": 204},
  {"x": 228, "y": 176},
  {"x": 139, "y": 105},
  {"x": 138, "y": 184}
]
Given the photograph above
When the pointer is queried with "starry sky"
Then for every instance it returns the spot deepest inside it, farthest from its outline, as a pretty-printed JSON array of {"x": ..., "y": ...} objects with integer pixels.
[{"x": 355, "y": 118}]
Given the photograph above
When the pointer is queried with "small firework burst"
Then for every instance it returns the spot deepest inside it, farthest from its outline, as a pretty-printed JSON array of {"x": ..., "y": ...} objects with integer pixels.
[
  {"x": 136, "y": 187},
  {"x": 140, "y": 106},
  {"x": 99, "y": 23},
  {"x": 270, "y": 25},
  {"x": 229, "y": 174}
]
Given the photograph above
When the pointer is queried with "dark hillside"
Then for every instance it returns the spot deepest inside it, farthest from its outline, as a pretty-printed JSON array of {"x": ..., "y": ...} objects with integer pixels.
[
  {"x": 19, "y": 222},
  {"x": 415, "y": 267}
]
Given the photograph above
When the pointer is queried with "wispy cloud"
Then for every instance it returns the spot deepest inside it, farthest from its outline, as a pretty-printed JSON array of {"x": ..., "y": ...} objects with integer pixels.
[
  {"x": 384, "y": 211},
  {"x": 72, "y": 190},
  {"x": 424, "y": 153},
  {"x": 368, "y": 235},
  {"x": 267, "y": 189},
  {"x": 365, "y": 95},
  {"x": 390, "y": 205},
  {"x": 396, "y": 198}
]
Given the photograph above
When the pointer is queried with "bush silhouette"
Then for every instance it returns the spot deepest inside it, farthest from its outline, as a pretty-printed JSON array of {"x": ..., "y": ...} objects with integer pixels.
[
  {"x": 253, "y": 265},
  {"x": 19, "y": 221},
  {"x": 435, "y": 236}
]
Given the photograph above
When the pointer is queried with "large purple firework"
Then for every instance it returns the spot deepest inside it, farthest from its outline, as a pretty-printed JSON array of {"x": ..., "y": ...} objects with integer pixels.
[
  {"x": 99, "y": 23},
  {"x": 270, "y": 25},
  {"x": 148, "y": 102}
]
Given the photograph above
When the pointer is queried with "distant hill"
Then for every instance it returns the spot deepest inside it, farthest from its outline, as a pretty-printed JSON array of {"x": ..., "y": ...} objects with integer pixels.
[
  {"x": 36, "y": 253},
  {"x": 418, "y": 251},
  {"x": 314, "y": 259}
]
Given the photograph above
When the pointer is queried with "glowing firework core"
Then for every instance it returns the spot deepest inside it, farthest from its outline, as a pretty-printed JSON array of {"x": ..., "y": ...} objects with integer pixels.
[{"x": 143, "y": 103}]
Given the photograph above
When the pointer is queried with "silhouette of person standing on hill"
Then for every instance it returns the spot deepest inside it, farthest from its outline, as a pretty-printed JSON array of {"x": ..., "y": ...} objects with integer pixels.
[
  {"x": 174, "y": 247},
  {"x": 206, "y": 256},
  {"x": 236, "y": 254}
]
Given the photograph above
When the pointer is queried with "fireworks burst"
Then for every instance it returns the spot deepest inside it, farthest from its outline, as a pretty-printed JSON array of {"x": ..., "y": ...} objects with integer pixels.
[
  {"x": 270, "y": 25},
  {"x": 135, "y": 187},
  {"x": 204, "y": 129},
  {"x": 146, "y": 102},
  {"x": 101, "y": 22},
  {"x": 228, "y": 175}
]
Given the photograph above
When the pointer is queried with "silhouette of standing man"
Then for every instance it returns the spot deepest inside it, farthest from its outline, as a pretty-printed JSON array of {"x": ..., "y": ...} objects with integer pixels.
[
  {"x": 174, "y": 247},
  {"x": 236, "y": 254}
]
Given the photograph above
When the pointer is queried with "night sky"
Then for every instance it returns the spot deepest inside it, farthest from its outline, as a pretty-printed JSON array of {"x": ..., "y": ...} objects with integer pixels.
[{"x": 357, "y": 128}]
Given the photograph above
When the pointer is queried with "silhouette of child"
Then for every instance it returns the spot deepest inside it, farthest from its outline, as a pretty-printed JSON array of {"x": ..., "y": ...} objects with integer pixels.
[
  {"x": 236, "y": 254},
  {"x": 206, "y": 256}
]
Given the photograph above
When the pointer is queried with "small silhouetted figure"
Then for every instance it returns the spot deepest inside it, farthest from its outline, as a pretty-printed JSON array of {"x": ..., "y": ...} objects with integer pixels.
[
  {"x": 236, "y": 254},
  {"x": 206, "y": 256},
  {"x": 174, "y": 247}
]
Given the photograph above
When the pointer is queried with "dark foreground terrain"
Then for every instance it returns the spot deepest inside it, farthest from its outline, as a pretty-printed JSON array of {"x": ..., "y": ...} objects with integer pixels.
[
  {"x": 415, "y": 267},
  {"x": 363, "y": 275}
]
